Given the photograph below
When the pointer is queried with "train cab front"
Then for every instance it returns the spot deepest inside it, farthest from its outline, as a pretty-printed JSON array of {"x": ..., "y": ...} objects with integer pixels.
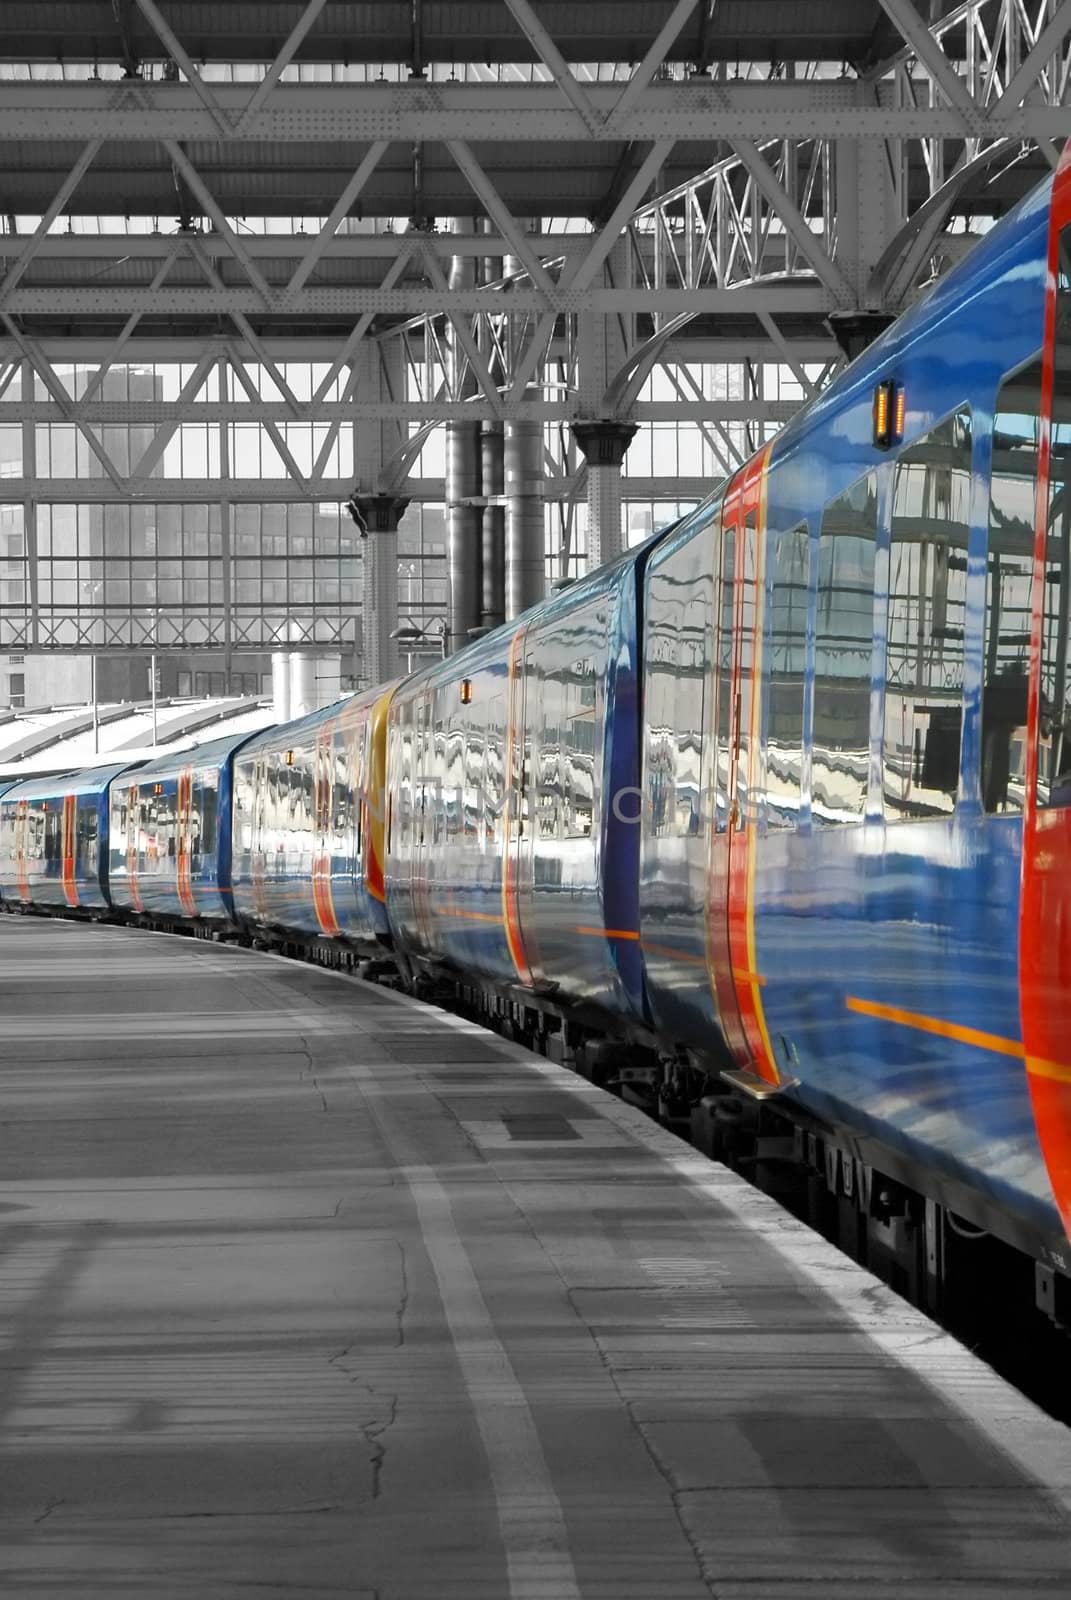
[{"x": 1045, "y": 919}]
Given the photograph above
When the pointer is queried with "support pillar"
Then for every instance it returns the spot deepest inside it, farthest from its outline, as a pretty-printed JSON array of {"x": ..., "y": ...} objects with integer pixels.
[
  {"x": 526, "y": 565},
  {"x": 463, "y": 548},
  {"x": 604, "y": 443},
  {"x": 377, "y": 516},
  {"x": 492, "y": 475},
  {"x": 280, "y": 686},
  {"x": 493, "y": 573},
  {"x": 302, "y": 683}
]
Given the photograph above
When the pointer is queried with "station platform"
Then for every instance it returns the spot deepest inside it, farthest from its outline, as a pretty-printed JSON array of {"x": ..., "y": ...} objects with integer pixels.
[{"x": 309, "y": 1290}]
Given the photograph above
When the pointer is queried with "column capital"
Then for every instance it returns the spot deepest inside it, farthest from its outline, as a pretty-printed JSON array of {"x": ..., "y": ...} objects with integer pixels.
[
  {"x": 604, "y": 441},
  {"x": 376, "y": 513},
  {"x": 855, "y": 330}
]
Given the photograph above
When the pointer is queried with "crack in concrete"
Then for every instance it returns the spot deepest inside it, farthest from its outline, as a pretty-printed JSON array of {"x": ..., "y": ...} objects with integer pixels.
[
  {"x": 403, "y": 1301},
  {"x": 373, "y": 1433},
  {"x": 308, "y": 1073},
  {"x": 50, "y": 1506}
]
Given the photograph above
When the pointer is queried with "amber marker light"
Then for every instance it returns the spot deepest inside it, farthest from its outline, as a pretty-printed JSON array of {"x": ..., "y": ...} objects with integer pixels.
[
  {"x": 883, "y": 410},
  {"x": 466, "y": 691},
  {"x": 290, "y": 758},
  {"x": 899, "y": 411}
]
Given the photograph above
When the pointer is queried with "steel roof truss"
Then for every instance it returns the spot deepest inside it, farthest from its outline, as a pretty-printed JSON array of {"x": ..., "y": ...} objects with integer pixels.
[
  {"x": 127, "y": 331},
  {"x": 59, "y": 200},
  {"x": 507, "y": 224},
  {"x": 554, "y": 61},
  {"x": 211, "y": 206},
  {"x": 47, "y": 374},
  {"x": 371, "y": 159},
  {"x": 654, "y": 58},
  {"x": 159, "y": 25},
  {"x": 282, "y": 61}
]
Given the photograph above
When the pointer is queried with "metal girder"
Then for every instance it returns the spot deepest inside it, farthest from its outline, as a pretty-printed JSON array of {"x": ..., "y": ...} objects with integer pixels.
[
  {"x": 341, "y": 207},
  {"x": 169, "y": 413},
  {"x": 493, "y": 113},
  {"x": 408, "y": 302},
  {"x": 59, "y": 200}
]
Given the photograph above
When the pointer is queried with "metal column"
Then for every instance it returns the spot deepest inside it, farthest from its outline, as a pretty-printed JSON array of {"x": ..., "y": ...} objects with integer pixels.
[
  {"x": 604, "y": 444},
  {"x": 377, "y": 516},
  {"x": 492, "y": 446},
  {"x": 463, "y": 553}
]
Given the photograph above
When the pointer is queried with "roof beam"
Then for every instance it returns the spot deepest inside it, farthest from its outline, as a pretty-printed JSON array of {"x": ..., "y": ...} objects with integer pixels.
[
  {"x": 59, "y": 200},
  {"x": 654, "y": 58},
  {"x": 240, "y": 321},
  {"x": 364, "y": 322},
  {"x": 928, "y": 50},
  {"x": 159, "y": 25},
  {"x": 553, "y": 60},
  {"x": 44, "y": 371},
  {"x": 412, "y": 300},
  {"x": 340, "y": 209},
  {"x": 241, "y": 255},
  {"x": 773, "y": 192},
  {"x": 282, "y": 61},
  {"x": 1023, "y": 80},
  {"x": 301, "y": 114},
  {"x": 500, "y": 214},
  {"x": 473, "y": 354},
  {"x": 581, "y": 275},
  {"x": 128, "y": 328}
]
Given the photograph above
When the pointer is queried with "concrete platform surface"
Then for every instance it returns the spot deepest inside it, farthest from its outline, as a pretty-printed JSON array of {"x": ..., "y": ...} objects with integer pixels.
[{"x": 308, "y": 1290}]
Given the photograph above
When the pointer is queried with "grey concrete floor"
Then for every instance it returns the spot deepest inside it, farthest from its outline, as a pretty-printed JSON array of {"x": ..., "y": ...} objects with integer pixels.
[{"x": 306, "y": 1290}]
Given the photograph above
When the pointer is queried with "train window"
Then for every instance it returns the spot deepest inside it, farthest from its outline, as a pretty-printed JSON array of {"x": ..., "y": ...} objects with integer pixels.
[
  {"x": 493, "y": 762},
  {"x": 209, "y": 812},
  {"x": 1008, "y": 589},
  {"x": 690, "y": 703},
  {"x": 473, "y": 775},
  {"x": 926, "y": 621},
  {"x": 550, "y": 758},
  {"x": 1054, "y": 755},
  {"x": 195, "y": 826},
  {"x": 788, "y": 660},
  {"x": 843, "y": 652},
  {"x": 662, "y": 627},
  {"x": 455, "y": 780},
  {"x": 578, "y": 748},
  {"x": 88, "y": 835}
]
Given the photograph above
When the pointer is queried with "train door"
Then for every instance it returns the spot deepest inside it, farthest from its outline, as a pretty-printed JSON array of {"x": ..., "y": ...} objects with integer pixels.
[
  {"x": 734, "y": 834},
  {"x": 1045, "y": 918},
  {"x": 132, "y": 844},
  {"x": 183, "y": 828},
  {"x": 22, "y": 829},
  {"x": 517, "y": 855},
  {"x": 424, "y": 820},
  {"x": 323, "y": 771},
  {"x": 70, "y": 849}
]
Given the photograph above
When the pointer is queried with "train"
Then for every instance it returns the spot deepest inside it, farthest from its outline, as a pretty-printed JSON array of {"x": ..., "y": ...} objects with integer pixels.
[{"x": 766, "y": 823}]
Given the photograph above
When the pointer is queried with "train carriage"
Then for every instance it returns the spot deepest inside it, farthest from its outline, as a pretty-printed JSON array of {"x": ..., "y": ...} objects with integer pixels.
[
  {"x": 514, "y": 773},
  {"x": 170, "y": 835},
  {"x": 855, "y": 697},
  {"x": 54, "y": 841},
  {"x": 308, "y": 824}
]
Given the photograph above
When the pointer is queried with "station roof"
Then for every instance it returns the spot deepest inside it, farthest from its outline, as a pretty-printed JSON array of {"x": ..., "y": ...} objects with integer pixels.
[
  {"x": 62, "y": 738},
  {"x": 449, "y": 31}
]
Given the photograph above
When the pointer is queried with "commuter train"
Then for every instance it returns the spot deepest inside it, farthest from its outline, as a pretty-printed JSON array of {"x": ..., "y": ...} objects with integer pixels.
[{"x": 773, "y": 811}]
